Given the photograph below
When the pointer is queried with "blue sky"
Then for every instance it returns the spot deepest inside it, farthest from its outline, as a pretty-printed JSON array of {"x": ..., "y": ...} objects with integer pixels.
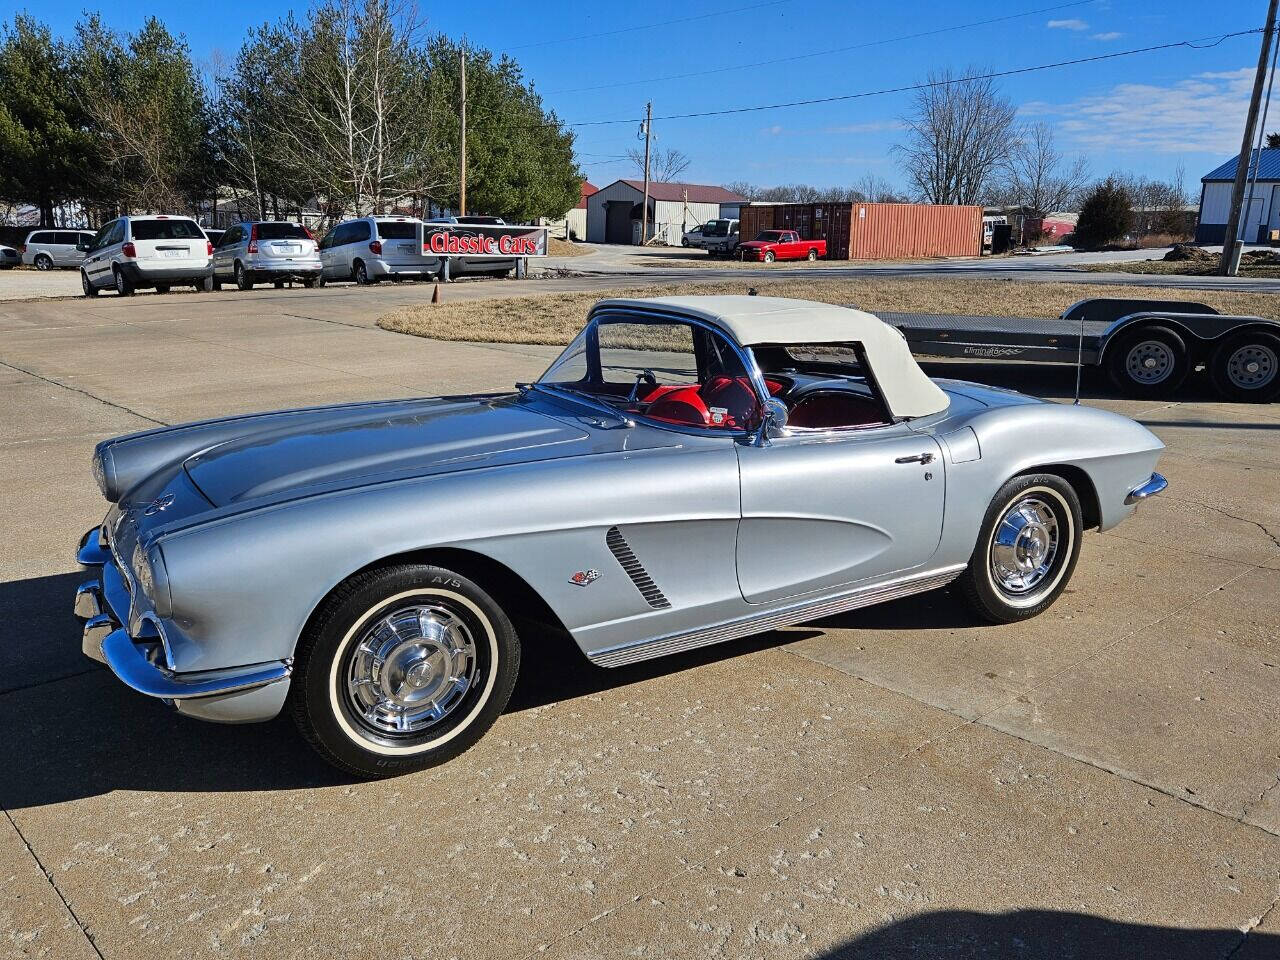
[{"x": 1144, "y": 114}]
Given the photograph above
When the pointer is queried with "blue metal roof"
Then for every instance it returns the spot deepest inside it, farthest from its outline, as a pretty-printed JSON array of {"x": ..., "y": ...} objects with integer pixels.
[{"x": 1268, "y": 167}]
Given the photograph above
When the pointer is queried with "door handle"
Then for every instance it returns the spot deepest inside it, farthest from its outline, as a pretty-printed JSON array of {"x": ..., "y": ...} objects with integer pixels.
[{"x": 918, "y": 458}]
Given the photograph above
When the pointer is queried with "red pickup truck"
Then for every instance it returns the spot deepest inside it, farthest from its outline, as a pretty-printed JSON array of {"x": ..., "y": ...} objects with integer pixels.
[{"x": 774, "y": 245}]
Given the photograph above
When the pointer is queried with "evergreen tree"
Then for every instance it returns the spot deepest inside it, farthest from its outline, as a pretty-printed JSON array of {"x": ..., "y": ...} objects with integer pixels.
[{"x": 1105, "y": 216}]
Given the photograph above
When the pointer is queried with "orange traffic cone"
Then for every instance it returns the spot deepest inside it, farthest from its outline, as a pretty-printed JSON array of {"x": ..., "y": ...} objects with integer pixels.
[{"x": 435, "y": 294}]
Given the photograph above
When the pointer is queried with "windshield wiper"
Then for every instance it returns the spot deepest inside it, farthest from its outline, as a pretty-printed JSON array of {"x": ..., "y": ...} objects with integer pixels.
[{"x": 581, "y": 396}]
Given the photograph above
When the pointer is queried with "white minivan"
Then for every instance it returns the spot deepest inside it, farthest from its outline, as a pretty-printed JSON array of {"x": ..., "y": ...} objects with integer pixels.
[
  {"x": 48, "y": 249},
  {"x": 371, "y": 248},
  {"x": 130, "y": 253}
]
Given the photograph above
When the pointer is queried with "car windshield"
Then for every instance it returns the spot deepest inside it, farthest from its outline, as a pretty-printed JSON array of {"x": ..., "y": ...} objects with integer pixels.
[
  {"x": 666, "y": 370},
  {"x": 397, "y": 230},
  {"x": 281, "y": 231},
  {"x": 165, "y": 230},
  {"x": 716, "y": 228}
]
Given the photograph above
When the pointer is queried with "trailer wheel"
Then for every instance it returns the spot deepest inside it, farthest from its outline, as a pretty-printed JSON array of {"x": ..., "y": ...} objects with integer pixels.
[
  {"x": 1148, "y": 362},
  {"x": 1246, "y": 367}
]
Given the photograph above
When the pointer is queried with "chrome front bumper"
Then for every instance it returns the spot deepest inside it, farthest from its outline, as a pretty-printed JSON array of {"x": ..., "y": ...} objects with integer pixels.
[
  {"x": 237, "y": 694},
  {"x": 1156, "y": 484}
]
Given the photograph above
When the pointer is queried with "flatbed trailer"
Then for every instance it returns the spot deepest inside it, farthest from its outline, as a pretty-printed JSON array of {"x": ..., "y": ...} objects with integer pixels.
[{"x": 1148, "y": 347}]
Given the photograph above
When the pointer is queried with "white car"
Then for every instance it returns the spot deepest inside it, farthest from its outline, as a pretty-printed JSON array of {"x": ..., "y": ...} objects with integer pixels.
[
  {"x": 130, "y": 253},
  {"x": 48, "y": 249},
  {"x": 371, "y": 248},
  {"x": 692, "y": 238},
  {"x": 9, "y": 257}
]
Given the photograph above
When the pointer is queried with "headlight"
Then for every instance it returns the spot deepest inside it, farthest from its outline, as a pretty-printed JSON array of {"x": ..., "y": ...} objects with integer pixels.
[
  {"x": 104, "y": 472},
  {"x": 153, "y": 578}
]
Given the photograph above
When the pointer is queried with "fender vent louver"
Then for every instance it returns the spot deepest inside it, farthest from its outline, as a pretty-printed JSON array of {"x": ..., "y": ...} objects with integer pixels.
[{"x": 621, "y": 551}]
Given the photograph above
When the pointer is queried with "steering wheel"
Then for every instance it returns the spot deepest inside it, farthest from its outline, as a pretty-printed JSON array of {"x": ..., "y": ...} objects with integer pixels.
[{"x": 644, "y": 376}]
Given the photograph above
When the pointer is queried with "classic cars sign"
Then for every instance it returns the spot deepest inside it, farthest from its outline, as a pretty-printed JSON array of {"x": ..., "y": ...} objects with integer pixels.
[{"x": 483, "y": 240}]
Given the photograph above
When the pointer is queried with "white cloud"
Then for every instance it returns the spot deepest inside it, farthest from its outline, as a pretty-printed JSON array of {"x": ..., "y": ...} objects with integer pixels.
[
  {"x": 1202, "y": 114},
  {"x": 1110, "y": 35},
  {"x": 869, "y": 126},
  {"x": 1067, "y": 25}
]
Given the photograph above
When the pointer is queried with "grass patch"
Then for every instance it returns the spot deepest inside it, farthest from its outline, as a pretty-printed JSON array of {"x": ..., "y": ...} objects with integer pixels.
[
  {"x": 1183, "y": 268},
  {"x": 553, "y": 319}
]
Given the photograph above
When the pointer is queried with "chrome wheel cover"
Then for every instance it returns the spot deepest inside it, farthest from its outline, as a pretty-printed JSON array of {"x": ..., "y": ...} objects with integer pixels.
[
  {"x": 410, "y": 670},
  {"x": 1150, "y": 362},
  {"x": 1252, "y": 367},
  {"x": 1024, "y": 546}
]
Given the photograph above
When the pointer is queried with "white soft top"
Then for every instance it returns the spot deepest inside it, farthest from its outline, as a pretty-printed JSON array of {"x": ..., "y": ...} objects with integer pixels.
[{"x": 752, "y": 321}]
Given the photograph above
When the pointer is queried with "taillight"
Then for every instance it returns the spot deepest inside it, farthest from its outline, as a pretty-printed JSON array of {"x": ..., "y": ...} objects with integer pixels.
[
  {"x": 310, "y": 235},
  {"x": 253, "y": 239},
  {"x": 129, "y": 250},
  {"x": 22, "y": 249},
  {"x": 375, "y": 246},
  {"x": 208, "y": 248}
]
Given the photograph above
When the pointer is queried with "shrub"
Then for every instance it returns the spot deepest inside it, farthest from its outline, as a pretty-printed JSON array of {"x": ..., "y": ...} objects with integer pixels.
[{"x": 1105, "y": 217}]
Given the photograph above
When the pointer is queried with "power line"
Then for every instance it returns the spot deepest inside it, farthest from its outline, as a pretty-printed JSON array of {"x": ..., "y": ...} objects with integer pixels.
[
  {"x": 649, "y": 26},
  {"x": 1200, "y": 43},
  {"x": 826, "y": 53}
]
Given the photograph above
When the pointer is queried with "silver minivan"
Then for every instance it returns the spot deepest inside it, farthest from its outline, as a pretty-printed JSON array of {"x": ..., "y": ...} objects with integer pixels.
[
  {"x": 47, "y": 249},
  {"x": 272, "y": 251},
  {"x": 371, "y": 248},
  {"x": 152, "y": 251}
]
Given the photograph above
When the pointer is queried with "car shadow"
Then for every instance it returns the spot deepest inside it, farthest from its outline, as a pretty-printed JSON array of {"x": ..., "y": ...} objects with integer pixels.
[
  {"x": 1047, "y": 934},
  {"x": 74, "y": 731}
]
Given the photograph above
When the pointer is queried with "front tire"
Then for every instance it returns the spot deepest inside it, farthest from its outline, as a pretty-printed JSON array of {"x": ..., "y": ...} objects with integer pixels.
[
  {"x": 89, "y": 289},
  {"x": 43, "y": 262},
  {"x": 1149, "y": 362},
  {"x": 769, "y": 256},
  {"x": 403, "y": 668},
  {"x": 1026, "y": 551}
]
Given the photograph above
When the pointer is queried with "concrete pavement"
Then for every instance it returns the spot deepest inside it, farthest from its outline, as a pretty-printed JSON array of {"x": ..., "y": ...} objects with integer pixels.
[{"x": 1103, "y": 781}]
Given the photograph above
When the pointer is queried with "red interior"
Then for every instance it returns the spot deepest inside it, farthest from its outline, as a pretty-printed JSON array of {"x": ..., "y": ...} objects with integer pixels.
[
  {"x": 831, "y": 409},
  {"x": 732, "y": 398}
]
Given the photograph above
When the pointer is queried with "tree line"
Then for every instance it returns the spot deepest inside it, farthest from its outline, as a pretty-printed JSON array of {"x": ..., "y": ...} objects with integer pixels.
[{"x": 352, "y": 108}]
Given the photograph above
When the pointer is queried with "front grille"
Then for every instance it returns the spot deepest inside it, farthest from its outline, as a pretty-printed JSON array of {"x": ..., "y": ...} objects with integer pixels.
[{"x": 623, "y": 553}]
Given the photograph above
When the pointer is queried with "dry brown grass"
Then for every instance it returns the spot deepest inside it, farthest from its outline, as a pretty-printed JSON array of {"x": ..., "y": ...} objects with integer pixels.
[
  {"x": 554, "y": 318},
  {"x": 564, "y": 248},
  {"x": 1179, "y": 268}
]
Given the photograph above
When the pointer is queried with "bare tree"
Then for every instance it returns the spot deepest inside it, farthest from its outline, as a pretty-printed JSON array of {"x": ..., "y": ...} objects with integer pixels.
[
  {"x": 873, "y": 189},
  {"x": 743, "y": 189},
  {"x": 1039, "y": 178},
  {"x": 665, "y": 166},
  {"x": 959, "y": 129}
]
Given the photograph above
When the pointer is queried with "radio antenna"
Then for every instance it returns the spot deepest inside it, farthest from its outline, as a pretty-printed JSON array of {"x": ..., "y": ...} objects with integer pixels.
[{"x": 1079, "y": 359}]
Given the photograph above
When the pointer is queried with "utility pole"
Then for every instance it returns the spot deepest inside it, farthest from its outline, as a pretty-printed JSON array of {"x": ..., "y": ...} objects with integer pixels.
[
  {"x": 644, "y": 210},
  {"x": 1231, "y": 243},
  {"x": 462, "y": 159}
]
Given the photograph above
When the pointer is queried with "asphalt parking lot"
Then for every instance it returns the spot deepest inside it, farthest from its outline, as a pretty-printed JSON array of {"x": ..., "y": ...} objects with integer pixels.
[{"x": 1103, "y": 781}]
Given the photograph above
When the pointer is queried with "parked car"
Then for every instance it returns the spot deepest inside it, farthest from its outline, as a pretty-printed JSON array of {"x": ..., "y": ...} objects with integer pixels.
[
  {"x": 476, "y": 265},
  {"x": 773, "y": 245},
  {"x": 690, "y": 470},
  {"x": 721, "y": 237},
  {"x": 9, "y": 257},
  {"x": 371, "y": 248},
  {"x": 132, "y": 253},
  {"x": 692, "y": 238},
  {"x": 47, "y": 249},
  {"x": 268, "y": 250}
]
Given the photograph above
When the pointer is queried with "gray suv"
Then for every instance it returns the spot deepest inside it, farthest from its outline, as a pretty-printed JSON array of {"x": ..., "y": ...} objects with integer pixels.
[
  {"x": 47, "y": 249},
  {"x": 265, "y": 250}
]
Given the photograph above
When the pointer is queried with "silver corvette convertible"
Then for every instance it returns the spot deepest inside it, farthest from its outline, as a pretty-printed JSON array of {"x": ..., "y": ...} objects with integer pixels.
[{"x": 689, "y": 471}]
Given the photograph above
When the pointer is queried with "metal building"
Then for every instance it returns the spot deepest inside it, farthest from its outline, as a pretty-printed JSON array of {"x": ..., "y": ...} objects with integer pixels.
[
  {"x": 1261, "y": 211},
  {"x": 614, "y": 212},
  {"x": 873, "y": 231}
]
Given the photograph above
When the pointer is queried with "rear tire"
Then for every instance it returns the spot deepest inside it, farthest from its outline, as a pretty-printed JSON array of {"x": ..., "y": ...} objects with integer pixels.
[
  {"x": 402, "y": 668},
  {"x": 1026, "y": 551},
  {"x": 1149, "y": 362},
  {"x": 278, "y": 284},
  {"x": 1246, "y": 367},
  {"x": 89, "y": 289},
  {"x": 124, "y": 286},
  {"x": 813, "y": 255},
  {"x": 162, "y": 288},
  {"x": 360, "y": 274},
  {"x": 244, "y": 279},
  {"x": 309, "y": 282},
  {"x": 320, "y": 280}
]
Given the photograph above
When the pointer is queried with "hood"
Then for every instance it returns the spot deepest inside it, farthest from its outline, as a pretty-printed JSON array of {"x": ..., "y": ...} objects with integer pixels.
[
  {"x": 756, "y": 244},
  {"x": 353, "y": 448}
]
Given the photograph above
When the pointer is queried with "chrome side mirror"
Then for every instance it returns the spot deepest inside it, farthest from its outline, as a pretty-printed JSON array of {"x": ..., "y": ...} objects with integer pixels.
[{"x": 773, "y": 421}]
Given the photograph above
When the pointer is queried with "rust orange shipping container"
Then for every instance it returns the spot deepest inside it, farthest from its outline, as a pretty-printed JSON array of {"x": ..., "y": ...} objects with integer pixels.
[{"x": 873, "y": 231}]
